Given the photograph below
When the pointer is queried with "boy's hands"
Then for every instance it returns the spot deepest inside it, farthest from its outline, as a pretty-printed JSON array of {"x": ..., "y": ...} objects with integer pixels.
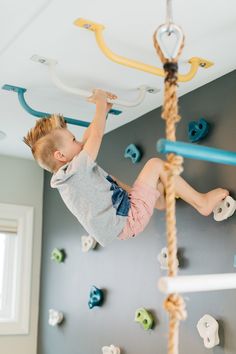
[{"x": 100, "y": 97}]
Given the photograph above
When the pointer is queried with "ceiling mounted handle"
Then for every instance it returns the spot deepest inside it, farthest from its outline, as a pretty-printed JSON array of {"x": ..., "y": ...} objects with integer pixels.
[
  {"x": 51, "y": 63},
  {"x": 97, "y": 28},
  {"x": 21, "y": 91}
]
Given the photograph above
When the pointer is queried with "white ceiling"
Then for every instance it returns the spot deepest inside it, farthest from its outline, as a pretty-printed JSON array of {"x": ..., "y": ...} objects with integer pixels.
[{"x": 46, "y": 28}]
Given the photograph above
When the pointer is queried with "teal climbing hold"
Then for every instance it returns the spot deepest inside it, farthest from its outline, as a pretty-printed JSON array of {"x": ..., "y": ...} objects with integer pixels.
[
  {"x": 133, "y": 153},
  {"x": 197, "y": 130},
  {"x": 95, "y": 297}
]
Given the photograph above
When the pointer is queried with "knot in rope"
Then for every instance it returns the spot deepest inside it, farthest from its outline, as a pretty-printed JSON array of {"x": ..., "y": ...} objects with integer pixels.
[
  {"x": 175, "y": 305},
  {"x": 171, "y": 72},
  {"x": 174, "y": 164},
  {"x": 174, "y": 118}
]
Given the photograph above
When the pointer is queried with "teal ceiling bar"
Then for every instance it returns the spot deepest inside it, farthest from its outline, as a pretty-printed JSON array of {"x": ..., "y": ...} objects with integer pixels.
[{"x": 21, "y": 91}]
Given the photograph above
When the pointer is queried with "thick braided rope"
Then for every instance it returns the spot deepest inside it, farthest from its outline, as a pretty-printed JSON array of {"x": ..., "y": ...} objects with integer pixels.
[{"x": 174, "y": 303}]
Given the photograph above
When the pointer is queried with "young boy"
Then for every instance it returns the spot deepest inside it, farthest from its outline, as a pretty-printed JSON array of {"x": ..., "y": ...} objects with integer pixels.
[{"x": 105, "y": 207}]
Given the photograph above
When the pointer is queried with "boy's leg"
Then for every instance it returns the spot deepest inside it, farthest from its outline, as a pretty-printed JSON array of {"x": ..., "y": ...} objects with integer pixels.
[
  {"x": 161, "y": 201},
  {"x": 204, "y": 203}
]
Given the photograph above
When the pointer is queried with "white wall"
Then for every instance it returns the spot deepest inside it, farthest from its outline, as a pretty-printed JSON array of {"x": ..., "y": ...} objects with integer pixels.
[{"x": 21, "y": 182}]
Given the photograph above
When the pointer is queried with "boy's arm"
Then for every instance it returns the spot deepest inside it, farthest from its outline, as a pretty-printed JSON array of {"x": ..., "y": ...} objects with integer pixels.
[
  {"x": 96, "y": 131},
  {"x": 92, "y": 138},
  {"x": 86, "y": 134}
]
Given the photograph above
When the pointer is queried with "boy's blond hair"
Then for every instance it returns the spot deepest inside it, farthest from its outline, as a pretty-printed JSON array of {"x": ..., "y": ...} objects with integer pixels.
[{"x": 43, "y": 141}]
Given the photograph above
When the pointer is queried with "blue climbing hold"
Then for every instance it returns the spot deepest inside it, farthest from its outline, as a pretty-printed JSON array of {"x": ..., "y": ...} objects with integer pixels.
[
  {"x": 133, "y": 153},
  {"x": 95, "y": 297},
  {"x": 197, "y": 130}
]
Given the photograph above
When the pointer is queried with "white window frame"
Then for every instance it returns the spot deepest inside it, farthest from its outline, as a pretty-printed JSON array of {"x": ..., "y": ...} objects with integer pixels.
[{"x": 23, "y": 216}]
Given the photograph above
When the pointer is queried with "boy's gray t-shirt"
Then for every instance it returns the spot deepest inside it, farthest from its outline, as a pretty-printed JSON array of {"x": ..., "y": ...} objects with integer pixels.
[{"x": 87, "y": 193}]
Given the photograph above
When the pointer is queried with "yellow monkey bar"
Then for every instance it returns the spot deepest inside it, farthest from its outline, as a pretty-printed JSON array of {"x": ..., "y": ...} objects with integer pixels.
[{"x": 98, "y": 28}]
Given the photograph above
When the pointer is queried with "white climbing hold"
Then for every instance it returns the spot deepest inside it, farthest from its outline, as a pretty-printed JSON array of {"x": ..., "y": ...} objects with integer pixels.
[
  {"x": 88, "y": 243},
  {"x": 163, "y": 258},
  {"x": 55, "y": 317},
  {"x": 208, "y": 329},
  {"x": 110, "y": 350},
  {"x": 224, "y": 209}
]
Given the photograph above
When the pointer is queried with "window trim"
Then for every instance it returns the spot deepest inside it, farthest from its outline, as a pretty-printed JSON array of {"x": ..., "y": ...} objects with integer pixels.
[{"x": 24, "y": 216}]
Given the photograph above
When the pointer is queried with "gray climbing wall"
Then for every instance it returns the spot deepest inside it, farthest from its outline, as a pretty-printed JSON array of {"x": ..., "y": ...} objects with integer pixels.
[{"x": 128, "y": 270}]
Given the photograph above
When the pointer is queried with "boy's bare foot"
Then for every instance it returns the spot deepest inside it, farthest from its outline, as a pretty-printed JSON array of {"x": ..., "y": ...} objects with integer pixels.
[
  {"x": 161, "y": 201},
  {"x": 210, "y": 200}
]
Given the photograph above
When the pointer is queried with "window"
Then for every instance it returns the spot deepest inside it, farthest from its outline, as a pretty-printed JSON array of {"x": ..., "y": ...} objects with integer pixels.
[
  {"x": 8, "y": 271},
  {"x": 16, "y": 234}
]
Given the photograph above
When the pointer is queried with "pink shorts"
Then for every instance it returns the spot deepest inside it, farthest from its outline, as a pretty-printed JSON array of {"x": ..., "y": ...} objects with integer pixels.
[{"x": 142, "y": 202}]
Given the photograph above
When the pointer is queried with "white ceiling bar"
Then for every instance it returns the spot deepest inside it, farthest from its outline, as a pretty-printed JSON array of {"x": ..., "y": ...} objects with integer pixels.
[
  {"x": 195, "y": 283},
  {"x": 84, "y": 93}
]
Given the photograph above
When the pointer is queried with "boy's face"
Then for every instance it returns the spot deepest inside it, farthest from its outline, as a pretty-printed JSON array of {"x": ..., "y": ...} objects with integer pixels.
[{"x": 69, "y": 146}]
